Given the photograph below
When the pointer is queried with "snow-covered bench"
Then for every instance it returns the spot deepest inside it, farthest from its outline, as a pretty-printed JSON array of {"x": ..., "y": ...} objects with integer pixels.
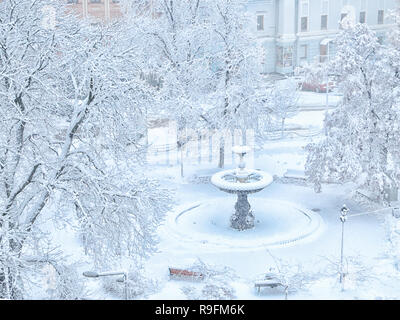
[
  {"x": 183, "y": 274},
  {"x": 263, "y": 284},
  {"x": 295, "y": 174},
  {"x": 269, "y": 281}
]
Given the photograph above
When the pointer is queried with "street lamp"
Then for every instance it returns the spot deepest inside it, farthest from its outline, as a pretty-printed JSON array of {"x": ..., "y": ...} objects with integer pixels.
[
  {"x": 343, "y": 218},
  {"x": 124, "y": 279}
]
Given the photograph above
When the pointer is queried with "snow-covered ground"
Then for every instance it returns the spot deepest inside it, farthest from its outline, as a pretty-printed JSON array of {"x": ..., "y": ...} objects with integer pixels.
[
  {"x": 203, "y": 234},
  {"x": 188, "y": 239},
  {"x": 317, "y": 100},
  {"x": 364, "y": 237}
]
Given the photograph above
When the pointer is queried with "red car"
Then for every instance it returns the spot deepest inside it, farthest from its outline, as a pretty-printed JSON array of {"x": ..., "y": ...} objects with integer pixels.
[{"x": 317, "y": 87}]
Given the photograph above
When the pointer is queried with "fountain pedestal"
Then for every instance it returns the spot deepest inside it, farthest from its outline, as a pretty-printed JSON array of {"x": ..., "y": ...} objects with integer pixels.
[
  {"x": 242, "y": 182},
  {"x": 243, "y": 217}
]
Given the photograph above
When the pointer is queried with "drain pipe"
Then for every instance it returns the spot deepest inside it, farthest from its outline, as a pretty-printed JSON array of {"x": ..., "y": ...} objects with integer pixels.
[
  {"x": 277, "y": 20},
  {"x": 296, "y": 31}
]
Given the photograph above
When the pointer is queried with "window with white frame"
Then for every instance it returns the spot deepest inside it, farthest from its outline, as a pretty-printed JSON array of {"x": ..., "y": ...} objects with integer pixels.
[
  {"x": 344, "y": 13},
  {"x": 363, "y": 16},
  {"x": 260, "y": 22},
  {"x": 381, "y": 15},
  {"x": 304, "y": 7},
  {"x": 324, "y": 14},
  {"x": 363, "y": 11},
  {"x": 381, "y": 11},
  {"x": 323, "y": 52}
]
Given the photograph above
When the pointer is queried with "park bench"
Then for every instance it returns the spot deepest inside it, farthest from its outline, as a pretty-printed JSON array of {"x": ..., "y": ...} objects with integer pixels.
[
  {"x": 183, "y": 274},
  {"x": 263, "y": 284},
  {"x": 269, "y": 281}
]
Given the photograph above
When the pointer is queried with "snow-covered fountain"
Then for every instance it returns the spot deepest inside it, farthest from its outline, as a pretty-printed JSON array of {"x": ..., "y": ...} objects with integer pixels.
[
  {"x": 212, "y": 222},
  {"x": 242, "y": 181}
]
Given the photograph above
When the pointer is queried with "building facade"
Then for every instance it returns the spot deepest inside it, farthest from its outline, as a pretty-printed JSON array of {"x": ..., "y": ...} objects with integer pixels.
[
  {"x": 291, "y": 33},
  {"x": 103, "y": 10}
]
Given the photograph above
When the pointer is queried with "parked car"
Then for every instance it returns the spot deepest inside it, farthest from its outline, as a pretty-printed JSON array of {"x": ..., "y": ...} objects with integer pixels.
[{"x": 317, "y": 87}]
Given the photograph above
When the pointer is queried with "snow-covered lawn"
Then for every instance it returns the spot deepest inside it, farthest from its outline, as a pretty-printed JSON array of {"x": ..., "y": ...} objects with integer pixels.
[
  {"x": 370, "y": 274},
  {"x": 205, "y": 236},
  {"x": 317, "y": 100},
  {"x": 364, "y": 238}
]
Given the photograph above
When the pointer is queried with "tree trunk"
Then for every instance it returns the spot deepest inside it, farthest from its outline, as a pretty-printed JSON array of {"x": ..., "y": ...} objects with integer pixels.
[
  {"x": 221, "y": 162},
  {"x": 181, "y": 148},
  {"x": 244, "y": 137},
  {"x": 8, "y": 285},
  {"x": 282, "y": 127}
]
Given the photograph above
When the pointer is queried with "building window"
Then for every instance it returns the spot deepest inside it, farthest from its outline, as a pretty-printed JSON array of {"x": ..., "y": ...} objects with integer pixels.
[
  {"x": 304, "y": 16},
  {"x": 72, "y": 1},
  {"x": 303, "y": 52},
  {"x": 324, "y": 14},
  {"x": 324, "y": 22},
  {"x": 363, "y": 11},
  {"x": 381, "y": 11},
  {"x": 381, "y": 14},
  {"x": 304, "y": 24},
  {"x": 342, "y": 17},
  {"x": 284, "y": 57},
  {"x": 95, "y": 1},
  {"x": 323, "y": 53},
  {"x": 260, "y": 23},
  {"x": 363, "y": 17}
]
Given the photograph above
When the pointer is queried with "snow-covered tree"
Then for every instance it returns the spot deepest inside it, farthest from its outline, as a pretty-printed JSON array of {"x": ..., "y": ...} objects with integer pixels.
[
  {"x": 71, "y": 127},
  {"x": 205, "y": 57},
  {"x": 235, "y": 102},
  {"x": 289, "y": 274},
  {"x": 362, "y": 133},
  {"x": 216, "y": 283},
  {"x": 282, "y": 101},
  {"x": 176, "y": 39}
]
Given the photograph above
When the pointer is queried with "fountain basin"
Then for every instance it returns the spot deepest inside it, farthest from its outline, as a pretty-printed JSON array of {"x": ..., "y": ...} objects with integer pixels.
[
  {"x": 278, "y": 223},
  {"x": 224, "y": 180}
]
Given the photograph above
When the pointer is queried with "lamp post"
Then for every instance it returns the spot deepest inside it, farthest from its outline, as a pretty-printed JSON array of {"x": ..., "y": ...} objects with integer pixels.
[
  {"x": 93, "y": 274},
  {"x": 343, "y": 218}
]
